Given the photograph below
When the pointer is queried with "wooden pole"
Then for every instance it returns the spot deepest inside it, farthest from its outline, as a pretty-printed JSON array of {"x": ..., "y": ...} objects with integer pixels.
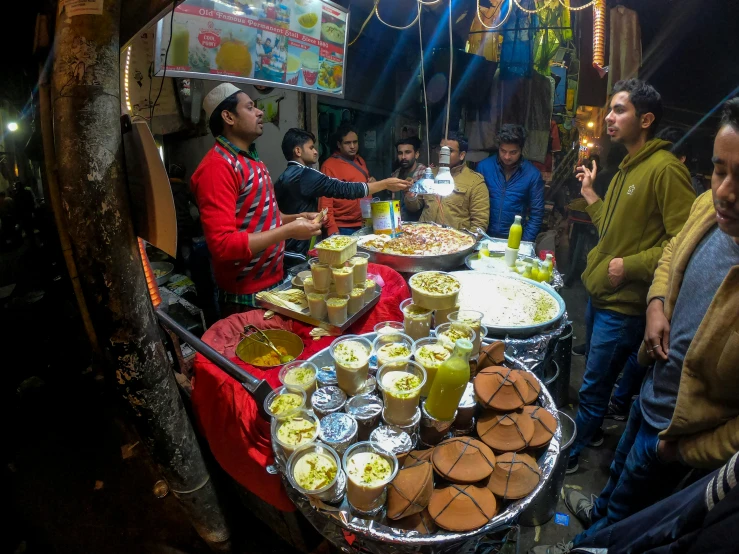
[{"x": 86, "y": 108}]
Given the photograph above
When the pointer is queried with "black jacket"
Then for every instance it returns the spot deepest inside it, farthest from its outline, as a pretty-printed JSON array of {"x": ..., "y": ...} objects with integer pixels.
[{"x": 298, "y": 189}]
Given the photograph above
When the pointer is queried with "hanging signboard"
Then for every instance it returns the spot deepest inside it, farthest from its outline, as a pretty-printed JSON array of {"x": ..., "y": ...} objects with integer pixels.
[{"x": 297, "y": 44}]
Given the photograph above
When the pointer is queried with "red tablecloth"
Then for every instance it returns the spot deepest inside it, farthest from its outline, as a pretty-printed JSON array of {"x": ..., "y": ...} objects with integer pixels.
[{"x": 227, "y": 415}]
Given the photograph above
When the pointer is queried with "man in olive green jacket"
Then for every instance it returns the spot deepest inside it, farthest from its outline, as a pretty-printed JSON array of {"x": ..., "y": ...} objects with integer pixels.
[
  {"x": 468, "y": 206},
  {"x": 646, "y": 205}
]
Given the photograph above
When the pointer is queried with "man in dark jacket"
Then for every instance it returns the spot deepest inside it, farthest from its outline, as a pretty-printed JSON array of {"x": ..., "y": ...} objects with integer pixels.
[
  {"x": 514, "y": 184},
  {"x": 300, "y": 186}
]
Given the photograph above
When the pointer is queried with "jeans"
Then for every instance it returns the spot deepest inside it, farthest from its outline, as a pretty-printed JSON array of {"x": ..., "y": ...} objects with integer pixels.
[
  {"x": 348, "y": 230},
  {"x": 629, "y": 384},
  {"x": 610, "y": 339},
  {"x": 637, "y": 479}
]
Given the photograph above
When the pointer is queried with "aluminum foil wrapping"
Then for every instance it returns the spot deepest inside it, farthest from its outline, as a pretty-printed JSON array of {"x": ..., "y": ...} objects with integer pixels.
[
  {"x": 366, "y": 410},
  {"x": 393, "y": 439},
  {"x": 466, "y": 409},
  {"x": 326, "y": 376},
  {"x": 339, "y": 431},
  {"x": 411, "y": 427},
  {"x": 327, "y": 400},
  {"x": 370, "y": 386},
  {"x": 534, "y": 352},
  {"x": 377, "y": 536},
  {"x": 433, "y": 430}
]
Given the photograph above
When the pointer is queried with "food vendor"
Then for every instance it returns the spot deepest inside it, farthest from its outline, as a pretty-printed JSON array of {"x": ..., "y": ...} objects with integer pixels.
[
  {"x": 344, "y": 216},
  {"x": 299, "y": 187},
  {"x": 408, "y": 149},
  {"x": 243, "y": 226},
  {"x": 468, "y": 206}
]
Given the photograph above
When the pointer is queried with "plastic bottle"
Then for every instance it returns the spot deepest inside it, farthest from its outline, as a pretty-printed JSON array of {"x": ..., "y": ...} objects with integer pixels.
[
  {"x": 450, "y": 382},
  {"x": 515, "y": 233},
  {"x": 528, "y": 272},
  {"x": 548, "y": 265}
]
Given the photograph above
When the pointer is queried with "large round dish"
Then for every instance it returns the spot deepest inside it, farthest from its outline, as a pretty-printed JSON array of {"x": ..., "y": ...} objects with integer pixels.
[
  {"x": 415, "y": 264},
  {"x": 379, "y": 531},
  {"x": 248, "y": 349},
  {"x": 520, "y": 331}
]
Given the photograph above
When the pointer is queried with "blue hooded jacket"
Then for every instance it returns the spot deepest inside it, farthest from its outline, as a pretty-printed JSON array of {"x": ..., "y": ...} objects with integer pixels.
[{"x": 523, "y": 193}]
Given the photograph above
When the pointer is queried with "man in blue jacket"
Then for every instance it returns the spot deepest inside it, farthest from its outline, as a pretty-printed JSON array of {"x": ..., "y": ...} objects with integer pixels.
[{"x": 514, "y": 184}]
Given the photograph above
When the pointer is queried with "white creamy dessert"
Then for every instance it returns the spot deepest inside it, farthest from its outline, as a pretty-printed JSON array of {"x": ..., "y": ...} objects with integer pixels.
[
  {"x": 359, "y": 265},
  {"x": 296, "y": 431},
  {"x": 285, "y": 403},
  {"x": 416, "y": 321},
  {"x": 314, "y": 471},
  {"x": 430, "y": 357},
  {"x": 401, "y": 392},
  {"x": 343, "y": 279},
  {"x": 352, "y": 365},
  {"x": 303, "y": 377},
  {"x": 368, "y": 474},
  {"x": 434, "y": 290}
]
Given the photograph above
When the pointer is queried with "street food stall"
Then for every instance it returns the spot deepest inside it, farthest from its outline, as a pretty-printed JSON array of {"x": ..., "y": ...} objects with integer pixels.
[{"x": 359, "y": 435}]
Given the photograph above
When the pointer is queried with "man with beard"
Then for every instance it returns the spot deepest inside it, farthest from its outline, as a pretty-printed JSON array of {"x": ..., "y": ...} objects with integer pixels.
[
  {"x": 515, "y": 186},
  {"x": 687, "y": 414},
  {"x": 243, "y": 226},
  {"x": 407, "y": 149},
  {"x": 467, "y": 207}
]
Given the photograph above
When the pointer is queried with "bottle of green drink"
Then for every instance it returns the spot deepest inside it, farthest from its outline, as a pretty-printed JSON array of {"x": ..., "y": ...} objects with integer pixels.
[{"x": 450, "y": 382}]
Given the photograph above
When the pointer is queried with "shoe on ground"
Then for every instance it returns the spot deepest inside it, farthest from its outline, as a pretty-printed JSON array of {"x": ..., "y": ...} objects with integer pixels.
[
  {"x": 561, "y": 548},
  {"x": 578, "y": 350},
  {"x": 616, "y": 413},
  {"x": 580, "y": 505},
  {"x": 572, "y": 465},
  {"x": 598, "y": 438}
]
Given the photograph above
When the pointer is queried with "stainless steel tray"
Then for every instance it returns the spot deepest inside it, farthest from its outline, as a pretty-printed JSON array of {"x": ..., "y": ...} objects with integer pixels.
[
  {"x": 305, "y": 316},
  {"x": 393, "y": 539},
  {"x": 415, "y": 264}
]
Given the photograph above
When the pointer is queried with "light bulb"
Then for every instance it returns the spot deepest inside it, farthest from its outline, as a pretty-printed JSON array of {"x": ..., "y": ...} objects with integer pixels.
[
  {"x": 590, "y": 145},
  {"x": 591, "y": 124},
  {"x": 444, "y": 182}
]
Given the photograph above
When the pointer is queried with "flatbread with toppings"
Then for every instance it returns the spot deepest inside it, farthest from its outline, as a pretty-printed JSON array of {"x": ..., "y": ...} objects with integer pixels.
[{"x": 419, "y": 240}]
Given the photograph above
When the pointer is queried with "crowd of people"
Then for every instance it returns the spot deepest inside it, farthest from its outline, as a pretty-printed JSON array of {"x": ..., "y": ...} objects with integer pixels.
[{"x": 662, "y": 280}]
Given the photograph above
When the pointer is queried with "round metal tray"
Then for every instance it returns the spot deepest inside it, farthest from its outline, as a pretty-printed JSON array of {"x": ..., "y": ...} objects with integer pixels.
[
  {"x": 415, "y": 264},
  {"x": 525, "y": 330},
  {"x": 377, "y": 529}
]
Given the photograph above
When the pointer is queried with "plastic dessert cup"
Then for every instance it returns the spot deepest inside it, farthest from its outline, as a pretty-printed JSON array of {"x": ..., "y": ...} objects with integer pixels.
[
  {"x": 473, "y": 319},
  {"x": 359, "y": 264},
  {"x": 434, "y": 290},
  {"x": 442, "y": 316},
  {"x": 315, "y": 471},
  {"x": 284, "y": 402},
  {"x": 308, "y": 285},
  {"x": 337, "y": 249},
  {"x": 351, "y": 354},
  {"x": 368, "y": 469},
  {"x": 392, "y": 348},
  {"x": 369, "y": 290},
  {"x": 430, "y": 353},
  {"x": 386, "y": 327},
  {"x": 449, "y": 333},
  {"x": 343, "y": 278},
  {"x": 296, "y": 430},
  {"x": 401, "y": 390},
  {"x": 321, "y": 273},
  {"x": 300, "y": 375},
  {"x": 317, "y": 304},
  {"x": 356, "y": 300},
  {"x": 416, "y": 320},
  {"x": 337, "y": 307}
]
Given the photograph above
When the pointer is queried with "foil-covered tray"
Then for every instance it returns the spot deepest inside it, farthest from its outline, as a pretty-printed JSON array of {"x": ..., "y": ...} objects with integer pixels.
[
  {"x": 415, "y": 264},
  {"x": 378, "y": 535},
  {"x": 305, "y": 316}
]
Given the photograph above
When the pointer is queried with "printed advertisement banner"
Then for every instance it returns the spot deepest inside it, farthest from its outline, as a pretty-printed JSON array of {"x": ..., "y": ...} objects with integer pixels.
[{"x": 299, "y": 44}]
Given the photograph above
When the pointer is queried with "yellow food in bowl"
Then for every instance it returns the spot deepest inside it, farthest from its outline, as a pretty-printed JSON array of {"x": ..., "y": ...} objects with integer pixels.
[
  {"x": 269, "y": 359},
  {"x": 308, "y": 20}
]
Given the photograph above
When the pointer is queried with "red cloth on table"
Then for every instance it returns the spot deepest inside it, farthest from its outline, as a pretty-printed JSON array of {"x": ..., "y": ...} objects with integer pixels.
[{"x": 226, "y": 413}]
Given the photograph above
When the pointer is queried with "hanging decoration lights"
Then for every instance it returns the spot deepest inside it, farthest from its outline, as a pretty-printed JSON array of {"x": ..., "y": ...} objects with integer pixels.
[{"x": 599, "y": 36}]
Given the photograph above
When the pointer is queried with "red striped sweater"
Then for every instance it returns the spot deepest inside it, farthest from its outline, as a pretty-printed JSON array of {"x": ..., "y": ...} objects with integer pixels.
[{"x": 235, "y": 197}]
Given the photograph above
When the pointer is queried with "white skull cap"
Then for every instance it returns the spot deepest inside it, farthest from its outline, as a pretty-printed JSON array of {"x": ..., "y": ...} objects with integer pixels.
[{"x": 216, "y": 96}]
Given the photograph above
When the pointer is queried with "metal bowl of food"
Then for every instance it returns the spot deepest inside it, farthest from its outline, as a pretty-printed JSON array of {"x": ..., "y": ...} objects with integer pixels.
[
  {"x": 258, "y": 354},
  {"x": 162, "y": 272}
]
